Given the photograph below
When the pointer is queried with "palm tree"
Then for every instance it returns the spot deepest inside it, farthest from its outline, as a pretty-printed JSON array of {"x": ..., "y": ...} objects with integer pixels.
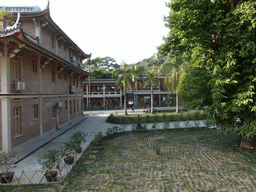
[
  {"x": 151, "y": 79},
  {"x": 125, "y": 76},
  {"x": 174, "y": 67}
]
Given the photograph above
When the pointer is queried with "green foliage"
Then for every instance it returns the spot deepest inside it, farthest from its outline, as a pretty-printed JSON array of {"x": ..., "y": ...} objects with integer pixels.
[
  {"x": 101, "y": 73},
  {"x": 50, "y": 160},
  {"x": 155, "y": 121},
  {"x": 68, "y": 148},
  {"x": 110, "y": 118},
  {"x": 78, "y": 138},
  {"x": 151, "y": 79},
  {"x": 124, "y": 79},
  {"x": 220, "y": 37},
  {"x": 193, "y": 89},
  {"x": 148, "y": 118},
  {"x": 157, "y": 149},
  {"x": 104, "y": 63},
  {"x": 7, "y": 13},
  {"x": 99, "y": 137},
  {"x": 7, "y": 160}
]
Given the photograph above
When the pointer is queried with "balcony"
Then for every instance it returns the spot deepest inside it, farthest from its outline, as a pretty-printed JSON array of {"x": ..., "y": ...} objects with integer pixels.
[{"x": 102, "y": 94}]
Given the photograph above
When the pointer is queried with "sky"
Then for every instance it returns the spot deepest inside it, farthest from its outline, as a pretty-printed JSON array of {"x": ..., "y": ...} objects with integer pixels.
[{"x": 126, "y": 30}]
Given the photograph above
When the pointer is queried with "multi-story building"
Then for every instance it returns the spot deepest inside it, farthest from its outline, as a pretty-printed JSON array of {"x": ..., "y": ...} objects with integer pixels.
[
  {"x": 41, "y": 79},
  {"x": 104, "y": 94}
]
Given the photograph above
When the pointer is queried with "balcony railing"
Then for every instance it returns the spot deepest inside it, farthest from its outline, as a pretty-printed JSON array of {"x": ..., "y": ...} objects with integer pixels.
[{"x": 102, "y": 93}]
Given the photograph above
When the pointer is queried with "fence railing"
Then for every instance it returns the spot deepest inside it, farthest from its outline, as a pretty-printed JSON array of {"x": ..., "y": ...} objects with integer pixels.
[{"x": 102, "y": 93}]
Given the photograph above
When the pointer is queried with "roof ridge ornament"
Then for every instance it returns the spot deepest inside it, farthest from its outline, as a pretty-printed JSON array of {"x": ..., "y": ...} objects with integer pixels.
[
  {"x": 15, "y": 25},
  {"x": 48, "y": 5}
]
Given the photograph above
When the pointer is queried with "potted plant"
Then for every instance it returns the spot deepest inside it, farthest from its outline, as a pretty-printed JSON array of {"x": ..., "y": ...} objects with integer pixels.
[
  {"x": 6, "y": 162},
  {"x": 68, "y": 150},
  {"x": 50, "y": 162},
  {"x": 77, "y": 138}
]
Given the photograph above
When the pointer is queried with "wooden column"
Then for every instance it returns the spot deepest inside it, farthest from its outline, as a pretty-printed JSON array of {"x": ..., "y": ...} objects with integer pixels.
[{"x": 6, "y": 101}]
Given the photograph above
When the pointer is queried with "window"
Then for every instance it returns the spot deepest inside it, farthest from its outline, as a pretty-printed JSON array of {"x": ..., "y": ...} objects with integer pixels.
[
  {"x": 17, "y": 120},
  {"x": 70, "y": 109},
  {"x": 35, "y": 111},
  {"x": 60, "y": 110},
  {"x": 16, "y": 67},
  {"x": 54, "y": 112},
  {"x": 65, "y": 75},
  {"x": 53, "y": 74},
  {"x": 70, "y": 81},
  {"x": 81, "y": 82},
  {"x": 60, "y": 75},
  {"x": 74, "y": 80},
  {"x": 77, "y": 82},
  {"x": 35, "y": 65},
  {"x": 52, "y": 42},
  {"x": 74, "y": 104},
  {"x": 59, "y": 44},
  {"x": 65, "y": 47},
  {"x": 66, "y": 105},
  {"x": 81, "y": 104}
]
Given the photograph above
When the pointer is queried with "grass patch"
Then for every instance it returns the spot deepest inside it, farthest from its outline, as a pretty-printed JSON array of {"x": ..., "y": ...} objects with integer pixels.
[{"x": 167, "y": 160}]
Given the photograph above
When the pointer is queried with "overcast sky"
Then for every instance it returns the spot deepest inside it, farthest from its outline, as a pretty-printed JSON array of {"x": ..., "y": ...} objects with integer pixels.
[{"x": 126, "y": 30}]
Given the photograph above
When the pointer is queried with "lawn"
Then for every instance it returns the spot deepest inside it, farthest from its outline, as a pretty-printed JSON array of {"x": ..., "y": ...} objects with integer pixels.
[{"x": 188, "y": 160}]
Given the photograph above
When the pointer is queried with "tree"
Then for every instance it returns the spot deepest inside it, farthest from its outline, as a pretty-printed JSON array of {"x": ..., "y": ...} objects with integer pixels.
[
  {"x": 220, "y": 35},
  {"x": 193, "y": 89},
  {"x": 7, "y": 13},
  {"x": 173, "y": 67},
  {"x": 9, "y": 17},
  {"x": 151, "y": 79},
  {"x": 124, "y": 78},
  {"x": 101, "y": 73},
  {"x": 106, "y": 63}
]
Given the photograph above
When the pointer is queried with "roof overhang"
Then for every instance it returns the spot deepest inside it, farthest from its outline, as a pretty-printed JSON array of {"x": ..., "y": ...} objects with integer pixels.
[
  {"x": 20, "y": 37},
  {"x": 44, "y": 15}
]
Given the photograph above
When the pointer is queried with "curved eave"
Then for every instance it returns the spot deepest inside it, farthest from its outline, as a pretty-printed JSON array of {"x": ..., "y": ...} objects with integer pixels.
[
  {"x": 10, "y": 34},
  {"x": 46, "y": 15},
  {"x": 19, "y": 35}
]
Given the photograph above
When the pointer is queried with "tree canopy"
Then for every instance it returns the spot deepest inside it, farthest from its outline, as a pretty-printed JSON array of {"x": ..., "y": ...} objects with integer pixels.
[
  {"x": 106, "y": 63},
  {"x": 124, "y": 79},
  {"x": 220, "y": 37}
]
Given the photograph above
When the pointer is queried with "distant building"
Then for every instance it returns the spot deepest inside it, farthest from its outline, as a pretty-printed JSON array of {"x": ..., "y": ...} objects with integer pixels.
[
  {"x": 21, "y": 9},
  {"x": 41, "y": 77},
  {"x": 104, "y": 94}
]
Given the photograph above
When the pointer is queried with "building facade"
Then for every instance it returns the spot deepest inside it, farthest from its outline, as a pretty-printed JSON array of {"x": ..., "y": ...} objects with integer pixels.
[
  {"x": 41, "y": 79},
  {"x": 104, "y": 94}
]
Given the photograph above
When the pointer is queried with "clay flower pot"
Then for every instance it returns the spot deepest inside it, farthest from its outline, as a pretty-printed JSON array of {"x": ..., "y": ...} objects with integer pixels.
[
  {"x": 6, "y": 177},
  {"x": 69, "y": 160},
  {"x": 51, "y": 176}
]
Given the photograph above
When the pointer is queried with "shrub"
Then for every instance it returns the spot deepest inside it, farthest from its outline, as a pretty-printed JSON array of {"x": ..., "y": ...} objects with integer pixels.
[
  {"x": 189, "y": 116},
  {"x": 148, "y": 118},
  {"x": 171, "y": 118},
  {"x": 99, "y": 137},
  {"x": 111, "y": 118}
]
